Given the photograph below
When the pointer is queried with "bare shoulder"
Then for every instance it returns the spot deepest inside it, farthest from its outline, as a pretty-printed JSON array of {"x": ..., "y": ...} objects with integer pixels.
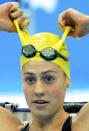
[
  {"x": 8, "y": 121},
  {"x": 81, "y": 121}
]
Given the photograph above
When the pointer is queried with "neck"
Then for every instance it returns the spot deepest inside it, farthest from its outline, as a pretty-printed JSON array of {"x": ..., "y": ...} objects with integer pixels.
[{"x": 54, "y": 122}]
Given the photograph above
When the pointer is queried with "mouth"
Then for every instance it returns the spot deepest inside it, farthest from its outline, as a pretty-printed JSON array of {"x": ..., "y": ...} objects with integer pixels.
[{"x": 40, "y": 103}]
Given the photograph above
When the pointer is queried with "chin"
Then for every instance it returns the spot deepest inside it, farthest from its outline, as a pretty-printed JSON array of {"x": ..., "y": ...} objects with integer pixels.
[{"x": 42, "y": 114}]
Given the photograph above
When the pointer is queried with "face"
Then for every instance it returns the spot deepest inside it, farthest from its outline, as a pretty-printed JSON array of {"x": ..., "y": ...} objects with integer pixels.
[{"x": 44, "y": 85}]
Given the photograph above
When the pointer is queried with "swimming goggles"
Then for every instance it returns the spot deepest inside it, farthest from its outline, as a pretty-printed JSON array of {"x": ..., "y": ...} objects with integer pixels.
[{"x": 47, "y": 53}]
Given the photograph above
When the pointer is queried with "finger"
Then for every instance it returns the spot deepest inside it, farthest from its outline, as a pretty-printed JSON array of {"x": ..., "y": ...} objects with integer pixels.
[
  {"x": 21, "y": 19},
  {"x": 16, "y": 14},
  {"x": 15, "y": 6},
  {"x": 25, "y": 23},
  {"x": 69, "y": 21},
  {"x": 72, "y": 33},
  {"x": 61, "y": 19},
  {"x": 7, "y": 6},
  {"x": 62, "y": 28},
  {"x": 66, "y": 19}
]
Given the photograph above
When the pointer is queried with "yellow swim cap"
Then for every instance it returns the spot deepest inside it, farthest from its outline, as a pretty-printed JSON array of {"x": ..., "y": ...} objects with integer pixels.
[{"x": 44, "y": 40}]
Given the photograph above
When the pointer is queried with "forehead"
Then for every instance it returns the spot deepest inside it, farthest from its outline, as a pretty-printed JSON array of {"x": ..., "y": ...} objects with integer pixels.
[{"x": 39, "y": 67}]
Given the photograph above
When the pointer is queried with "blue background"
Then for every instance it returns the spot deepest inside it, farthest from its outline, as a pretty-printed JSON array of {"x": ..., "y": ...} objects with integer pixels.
[{"x": 10, "y": 49}]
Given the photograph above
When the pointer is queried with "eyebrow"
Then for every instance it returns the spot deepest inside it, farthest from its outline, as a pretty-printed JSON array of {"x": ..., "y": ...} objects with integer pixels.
[
  {"x": 43, "y": 73},
  {"x": 29, "y": 73},
  {"x": 49, "y": 71}
]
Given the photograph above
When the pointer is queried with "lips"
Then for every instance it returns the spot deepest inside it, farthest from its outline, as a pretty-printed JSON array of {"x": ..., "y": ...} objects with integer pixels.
[{"x": 40, "y": 102}]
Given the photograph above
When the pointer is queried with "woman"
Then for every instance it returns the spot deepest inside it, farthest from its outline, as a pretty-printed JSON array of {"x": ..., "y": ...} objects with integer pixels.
[
  {"x": 45, "y": 82},
  {"x": 45, "y": 77}
]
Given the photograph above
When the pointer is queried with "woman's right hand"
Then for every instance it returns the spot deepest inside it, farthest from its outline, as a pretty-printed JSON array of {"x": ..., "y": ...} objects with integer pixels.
[
  {"x": 10, "y": 11},
  {"x": 78, "y": 21}
]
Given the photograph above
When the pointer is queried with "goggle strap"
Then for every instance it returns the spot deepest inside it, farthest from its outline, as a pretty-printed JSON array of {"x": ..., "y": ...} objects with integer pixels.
[
  {"x": 23, "y": 34},
  {"x": 63, "y": 57}
]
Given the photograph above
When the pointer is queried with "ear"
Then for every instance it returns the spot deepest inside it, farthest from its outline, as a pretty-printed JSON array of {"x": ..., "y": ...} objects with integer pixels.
[{"x": 68, "y": 83}]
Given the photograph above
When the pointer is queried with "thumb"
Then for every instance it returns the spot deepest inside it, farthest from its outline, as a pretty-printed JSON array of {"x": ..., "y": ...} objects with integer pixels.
[{"x": 10, "y": 5}]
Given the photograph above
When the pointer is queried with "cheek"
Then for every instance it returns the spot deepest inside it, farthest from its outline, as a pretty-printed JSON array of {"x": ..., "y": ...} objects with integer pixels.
[
  {"x": 27, "y": 92},
  {"x": 57, "y": 94}
]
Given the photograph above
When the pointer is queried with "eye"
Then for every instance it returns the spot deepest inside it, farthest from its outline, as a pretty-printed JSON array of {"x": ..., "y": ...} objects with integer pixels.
[
  {"x": 49, "y": 79},
  {"x": 30, "y": 80}
]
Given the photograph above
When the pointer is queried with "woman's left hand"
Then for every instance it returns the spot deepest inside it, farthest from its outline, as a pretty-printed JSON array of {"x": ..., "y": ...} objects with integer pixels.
[{"x": 77, "y": 20}]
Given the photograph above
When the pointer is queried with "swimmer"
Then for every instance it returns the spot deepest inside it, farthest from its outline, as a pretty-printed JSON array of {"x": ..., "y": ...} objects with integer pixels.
[
  {"x": 46, "y": 76},
  {"x": 9, "y": 12},
  {"x": 45, "y": 81}
]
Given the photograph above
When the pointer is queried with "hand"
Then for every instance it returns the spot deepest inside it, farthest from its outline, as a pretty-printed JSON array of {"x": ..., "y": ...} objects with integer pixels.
[
  {"x": 78, "y": 21},
  {"x": 9, "y": 12}
]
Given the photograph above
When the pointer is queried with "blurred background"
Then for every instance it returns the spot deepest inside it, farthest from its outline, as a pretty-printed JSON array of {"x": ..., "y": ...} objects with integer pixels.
[{"x": 43, "y": 15}]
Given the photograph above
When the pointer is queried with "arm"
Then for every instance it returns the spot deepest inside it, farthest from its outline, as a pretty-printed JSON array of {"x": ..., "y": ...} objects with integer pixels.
[
  {"x": 81, "y": 120},
  {"x": 80, "y": 24},
  {"x": 8, "y": 12},
  {"x": 8, "y": 121}
]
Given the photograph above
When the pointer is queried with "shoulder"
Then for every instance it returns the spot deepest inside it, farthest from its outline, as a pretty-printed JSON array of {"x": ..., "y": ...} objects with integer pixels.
[
  {"x": 9, "y": 121},
  {"x": 81, "y": 121}
]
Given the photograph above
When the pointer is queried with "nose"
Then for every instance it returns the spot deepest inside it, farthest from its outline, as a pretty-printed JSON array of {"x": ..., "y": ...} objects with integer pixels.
[{"x": 39, "y": 89}]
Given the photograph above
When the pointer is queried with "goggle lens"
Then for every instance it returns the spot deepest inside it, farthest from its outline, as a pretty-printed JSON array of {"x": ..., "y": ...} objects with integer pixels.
[
  {"x": 28, "y": 51},
  {"x": 49, "y": 53}
]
